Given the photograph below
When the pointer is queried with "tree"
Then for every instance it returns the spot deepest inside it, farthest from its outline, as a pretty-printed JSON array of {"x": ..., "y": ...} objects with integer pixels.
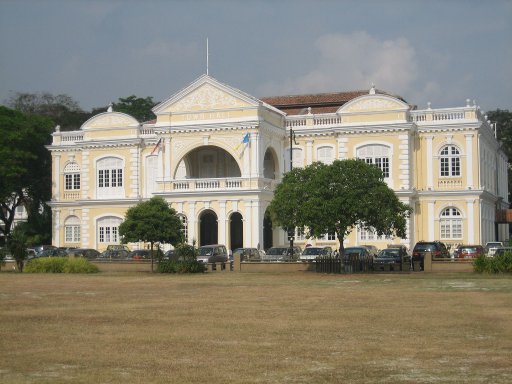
[
  {"x": 62, "y": 109},
  {"x": 152, "y": 221},
  {"x": 138, "y": 107},
  {"x": 25, "y": 164},
  {"x": 17, "y": 246},
  {"x": 337, "y": 198},
  {"x": 503, "y": 120}
]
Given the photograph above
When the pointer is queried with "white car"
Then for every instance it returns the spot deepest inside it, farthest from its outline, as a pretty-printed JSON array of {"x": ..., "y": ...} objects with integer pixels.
[{"x": 492, "y": 246}]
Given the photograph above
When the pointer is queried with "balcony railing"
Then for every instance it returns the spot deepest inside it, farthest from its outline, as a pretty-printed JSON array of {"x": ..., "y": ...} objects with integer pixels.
[{"x": 218, "y": 184}]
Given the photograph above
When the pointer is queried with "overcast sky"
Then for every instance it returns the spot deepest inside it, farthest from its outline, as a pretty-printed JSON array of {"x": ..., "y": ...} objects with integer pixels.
[{"x": 442, "y": 51}]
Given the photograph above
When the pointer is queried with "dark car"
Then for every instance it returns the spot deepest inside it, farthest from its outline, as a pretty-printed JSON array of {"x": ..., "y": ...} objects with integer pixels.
[
  {"x": 283, "y": 253},
  {"x": 53, "y": 252},
  {"x": 116, "y": 254},
  {"x": 247, "y": 254},
  {"x": 38, "y": 249},
  {"x": 468, "y": 251},
  {"x": 88, "y": 253},
  {"x": 397, "y": 256},
  {"x": 311, "y": 253},
  {"x": 215, "y": 253},
  {"x": 140, "y": 254},
  {"x": 436, "y": 248}
]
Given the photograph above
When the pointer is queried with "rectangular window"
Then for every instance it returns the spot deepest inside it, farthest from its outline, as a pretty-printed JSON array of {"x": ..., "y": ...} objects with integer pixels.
[
  {"x": 102, "y": 234},
  {"x": 456, "y": 166},
  {"x": 108, "y": 234},
  {"x": 72, "y": 181},
  {"x": 299, "y": 233},
  {"x": 72, "y": 233}
]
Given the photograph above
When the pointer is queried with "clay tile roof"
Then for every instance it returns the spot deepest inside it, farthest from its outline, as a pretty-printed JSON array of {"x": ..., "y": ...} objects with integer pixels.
[{"x": 319, "y": 103}]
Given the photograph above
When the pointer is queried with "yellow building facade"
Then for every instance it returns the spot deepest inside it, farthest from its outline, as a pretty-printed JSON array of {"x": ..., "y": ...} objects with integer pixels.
[{"x": 216, "y": 155}]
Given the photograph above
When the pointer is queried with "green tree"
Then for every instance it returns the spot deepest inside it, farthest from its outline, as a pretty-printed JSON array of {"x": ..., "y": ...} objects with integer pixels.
[
  {"x": 152, "y": 221},
  {"x": 503, "y": 120},
  {"x": 337, "y": 198},
  {"x": 17, "y": 246},
  {"x": 25, "y": 164},
  {"x": 62, "y": 109},
  {"x": 138, "y": 107}
]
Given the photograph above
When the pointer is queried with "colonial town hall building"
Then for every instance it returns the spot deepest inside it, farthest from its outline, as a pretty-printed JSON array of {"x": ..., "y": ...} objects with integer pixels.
[{"x": 216, "y": 155}]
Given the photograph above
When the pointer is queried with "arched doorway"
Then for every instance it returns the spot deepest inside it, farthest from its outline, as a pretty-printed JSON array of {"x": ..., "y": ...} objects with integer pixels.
[
  {"x": 236, "y": 231},
  {"x": 208, "y": 228},
  {"x": 267, "y": 231}
]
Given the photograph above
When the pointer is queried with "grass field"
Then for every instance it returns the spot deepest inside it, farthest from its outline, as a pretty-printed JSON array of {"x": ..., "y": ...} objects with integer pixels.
[{"x": 255, "y": 328}]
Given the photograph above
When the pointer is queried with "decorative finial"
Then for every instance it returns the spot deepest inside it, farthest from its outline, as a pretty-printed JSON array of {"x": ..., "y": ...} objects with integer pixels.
[
  {"x": 309, "y": 110},
  {"x": 429, "y": 105},
  {"x": 372, "y": 90},
  {"x": 467, "y": 102},
  {"x": 110, "y": 107},
  {"x": 57, "y": 128}
]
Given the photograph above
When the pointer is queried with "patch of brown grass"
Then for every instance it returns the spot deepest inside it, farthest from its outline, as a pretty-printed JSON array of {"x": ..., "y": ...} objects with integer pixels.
[{"x": 255, "y": 328}]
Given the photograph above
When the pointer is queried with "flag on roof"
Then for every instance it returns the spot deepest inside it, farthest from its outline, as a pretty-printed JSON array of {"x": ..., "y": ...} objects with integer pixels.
[
  {"x": 157, "y": 146},
  {"x": 245, "y": 140}
]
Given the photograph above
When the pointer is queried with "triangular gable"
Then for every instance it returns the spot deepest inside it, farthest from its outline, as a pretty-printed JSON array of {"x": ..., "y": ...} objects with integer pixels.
[
  {"x": 207, "y": 94},
  {"x": 110, "y": 120},
  {"x": 373, "y": 103}
]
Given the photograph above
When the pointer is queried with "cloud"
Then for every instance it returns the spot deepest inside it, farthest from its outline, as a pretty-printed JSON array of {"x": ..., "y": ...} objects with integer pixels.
[{"x": 354, "y": 61}]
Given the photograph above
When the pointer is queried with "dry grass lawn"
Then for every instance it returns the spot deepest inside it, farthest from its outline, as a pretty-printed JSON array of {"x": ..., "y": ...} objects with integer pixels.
[{"x": 255, "y": 328}]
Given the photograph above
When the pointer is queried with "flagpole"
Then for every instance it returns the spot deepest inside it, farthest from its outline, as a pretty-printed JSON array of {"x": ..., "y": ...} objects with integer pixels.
[{"x": 207, "y": 69}]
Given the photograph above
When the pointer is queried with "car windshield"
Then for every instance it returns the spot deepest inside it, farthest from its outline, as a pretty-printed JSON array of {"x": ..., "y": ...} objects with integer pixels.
[
  {"x": 312, "y": 251},
  {"x": 493, "y": 245},
  {"x": 205, "y": 251},
  {"x": 355, "y": 250},
  {"x": 425, "y": 247},
  {"x": 388, "y": 253},
  {"x": 276, "y": 251}
]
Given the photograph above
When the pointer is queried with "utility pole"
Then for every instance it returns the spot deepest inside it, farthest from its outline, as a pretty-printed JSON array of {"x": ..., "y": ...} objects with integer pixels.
[{"x": 291, "y": 232}]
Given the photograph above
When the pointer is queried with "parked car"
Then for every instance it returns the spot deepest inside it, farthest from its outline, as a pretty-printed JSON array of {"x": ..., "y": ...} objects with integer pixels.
[
  {"x": 361, "y": 251},
  {"x": 247, "y": 254},
  {"x": 140, "y": 254},
  {"x": 395, "y": 255},
  {"x": 114, "y": 254},
  {"x": 502, "y": 250},
  {"x": 53, "y": 252},
  {"x": 118, "y": 247},
  {"x": 214, "y": 253},
  {"x": 468, "y": 251},
  {"x": 492, "y": 246},
  {"x": 311, "y": 253},
  {"x": 436, "y": 248},
  {"x": 374, "y": 251},
  {"x": 38, "y": 249},
  {"x": 87, "y": 253},
  {"x": 283, "y": 253}
]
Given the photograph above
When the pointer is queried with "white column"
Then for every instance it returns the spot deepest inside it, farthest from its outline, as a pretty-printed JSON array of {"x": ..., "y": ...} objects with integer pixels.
[
  {"x": 56, "y": 228},
  {"x": 247, "y": 223},
  {"x": 431, "y": 221},
  {"x": 470, "y": 207},
  {"x": 222, "y": 223},
  {"x": 57, "y": 177},
  {"x": 430, "y": 164},
  {"x": 167, "y": 158},
  {"x": 309, "y": 152},
  {"x": 85, "y": 229},
  {"x": 86, "y": 173},
  {"x": 342, "y": 150},
  {"x": 254, "y": 143},
  {"x": 192, "y": 222},
  {"x": 246, "y": 160},
  {"x": 256, "y": 224},
  {"x": 469, "y": 160}
]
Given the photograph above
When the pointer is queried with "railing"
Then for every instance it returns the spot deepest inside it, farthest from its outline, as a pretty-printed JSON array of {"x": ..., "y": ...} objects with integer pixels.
[
  {"x": 72, "y": 195},
  {"x": 145, "y": 131},
  {"x": 438, "y": 116},
  {"x": 206, "y": 184},
  {"x": 449, "y": 184},
  {"x": 72, "y": 137}
]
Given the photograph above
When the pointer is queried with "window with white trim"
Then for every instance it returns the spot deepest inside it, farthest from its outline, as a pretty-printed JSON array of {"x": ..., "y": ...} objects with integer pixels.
[
  {"x": 450, "y": 224},
  {"x": 365, "y": 234},
  {"x": 108, "y": 230},
  {"x": 376, "y": 154},
  {"x": 72, "y": 176},
  {"x": 449, "y": 159},
  {"x": 110, "y": 177},
  {"x": 325, "y": 155},
  {"x": 330, "y": 236},
  {"x": 72, "y": 230},
  {"x": 299, "y": 233}
]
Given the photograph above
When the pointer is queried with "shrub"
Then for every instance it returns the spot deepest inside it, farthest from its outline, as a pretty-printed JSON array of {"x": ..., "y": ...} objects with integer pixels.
[
  {"x": 186, "y": 266},
  {"x": 60, "y": 265},
  {"x": 496, "y": 264}
]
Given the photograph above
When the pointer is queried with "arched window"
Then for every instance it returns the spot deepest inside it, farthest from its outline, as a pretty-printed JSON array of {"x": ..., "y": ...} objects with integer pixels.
[
  {"x": 184, "y": 221},
  {"x": 72, "y": 230},
  {"x": 110, "y": 177},
  {"x": 108, "y": 230},
  {"x": 376, "y": 154},
  {"x": 450, "y": 161},
  {"x": 451, "y": 224},
  {"x": 72, "y": 176},
  {"x": 325, "y": 155}
]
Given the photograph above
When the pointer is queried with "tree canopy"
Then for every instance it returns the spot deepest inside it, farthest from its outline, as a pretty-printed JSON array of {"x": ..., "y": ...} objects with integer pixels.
[
  {"x": 503, "y": 120},
  {"x": 138, "y": 107},
  {"x": 152, "y": 221},
  {"x": 337, "y": 198},
  {"x": 25, "y": 163}
]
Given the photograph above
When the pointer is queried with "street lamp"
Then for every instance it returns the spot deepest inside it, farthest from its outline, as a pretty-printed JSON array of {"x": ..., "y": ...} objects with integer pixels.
[{"x": 291, "y": 232}]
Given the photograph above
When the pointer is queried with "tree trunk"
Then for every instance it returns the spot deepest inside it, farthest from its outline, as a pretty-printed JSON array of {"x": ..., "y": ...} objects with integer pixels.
[{"x": 152, "y": 257}]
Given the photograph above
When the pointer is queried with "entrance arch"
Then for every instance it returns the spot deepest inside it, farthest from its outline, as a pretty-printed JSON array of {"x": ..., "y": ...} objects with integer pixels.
[
  {"x": 236, "y": 231},
  {"x": 268, "y": 238},
  {"x": 208, "y": 228},
  {"x": 207, "y": 162}
]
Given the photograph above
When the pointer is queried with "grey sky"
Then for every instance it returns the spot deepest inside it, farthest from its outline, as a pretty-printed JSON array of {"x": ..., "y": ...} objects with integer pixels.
[{"x": 97, "y": 51}]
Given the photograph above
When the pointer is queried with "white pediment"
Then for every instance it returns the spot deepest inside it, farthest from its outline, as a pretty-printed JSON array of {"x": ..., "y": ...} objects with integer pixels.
[
  {"x": 206, "y": 94},
  {"x": 373, "y": 103},
  {"x": 110, "y": 120}
]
